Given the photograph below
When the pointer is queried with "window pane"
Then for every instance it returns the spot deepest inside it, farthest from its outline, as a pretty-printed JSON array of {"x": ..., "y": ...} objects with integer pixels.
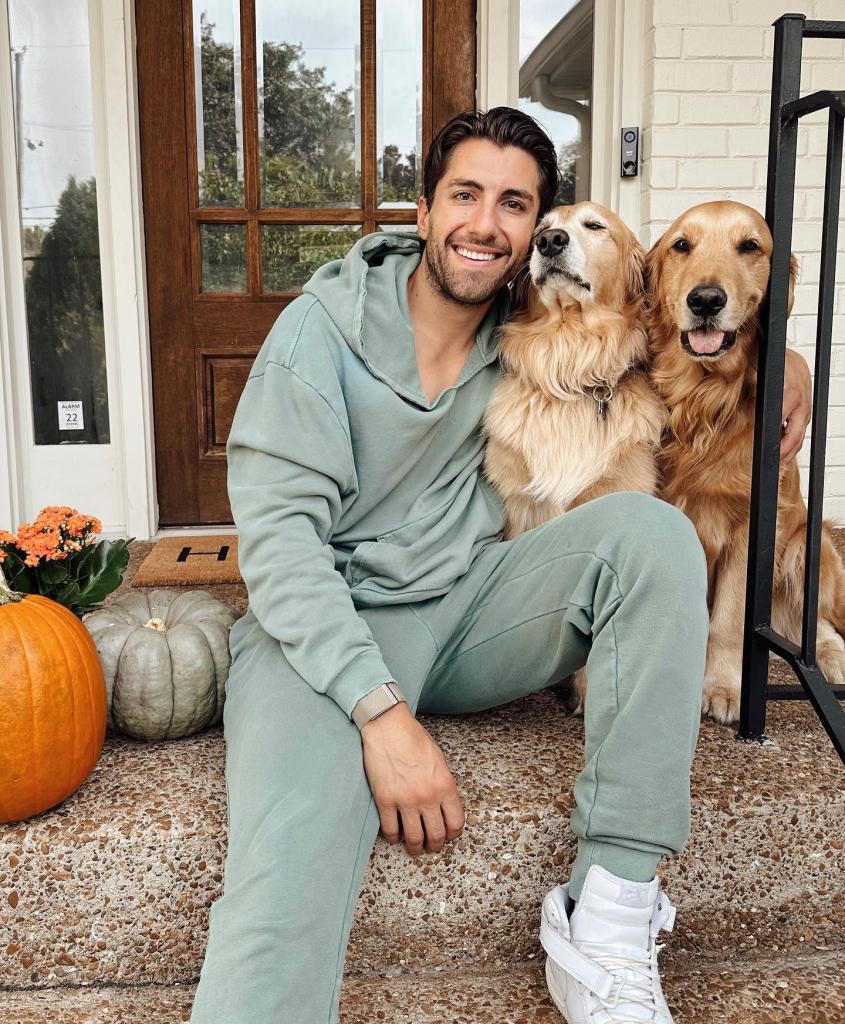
[
  {"x": 309, "y": 123},
  {"x": 555, "y": 83},
  {"x": 405, "y": 229},
  {"x": 58, "y": 195},
  {"x": 223, "y": 249},
  {"x": 399, "y": 101},
  {"x": 219, "y": 113},
  {"x": 290, "y": 253}
]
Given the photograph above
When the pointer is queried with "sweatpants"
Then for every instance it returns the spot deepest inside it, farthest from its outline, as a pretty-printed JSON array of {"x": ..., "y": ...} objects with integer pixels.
[{"x": 617, "y": 584}]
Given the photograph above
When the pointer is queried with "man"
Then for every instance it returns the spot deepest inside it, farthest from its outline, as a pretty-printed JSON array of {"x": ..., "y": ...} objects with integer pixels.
[{"x": 379, "y": 586}]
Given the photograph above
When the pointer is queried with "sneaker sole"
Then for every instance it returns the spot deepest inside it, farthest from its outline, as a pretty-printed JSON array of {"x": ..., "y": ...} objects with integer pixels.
[{"x": 555, "y": 992}]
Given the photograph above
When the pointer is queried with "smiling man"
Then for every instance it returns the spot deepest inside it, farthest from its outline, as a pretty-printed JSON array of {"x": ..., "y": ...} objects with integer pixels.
[{"x": 379, "y": 587}]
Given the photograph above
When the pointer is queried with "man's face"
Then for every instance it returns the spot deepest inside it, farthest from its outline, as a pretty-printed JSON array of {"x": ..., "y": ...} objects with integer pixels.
[{"x": 479, "y": 227}]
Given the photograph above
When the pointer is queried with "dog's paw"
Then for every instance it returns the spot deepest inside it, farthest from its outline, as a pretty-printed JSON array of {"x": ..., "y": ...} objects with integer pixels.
[
  {"x": 721, "y": 701},
  {"x": 831, "y": 660}
]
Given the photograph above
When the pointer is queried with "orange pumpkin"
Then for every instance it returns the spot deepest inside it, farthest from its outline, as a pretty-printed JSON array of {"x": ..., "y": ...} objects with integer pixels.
[{"x": 52, "y": 704}]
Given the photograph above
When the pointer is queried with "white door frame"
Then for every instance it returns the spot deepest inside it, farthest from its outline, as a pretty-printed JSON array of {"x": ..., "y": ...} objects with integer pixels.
[
  {"x": 115, "y": 481},
  {"x": 618, "y": 53}
]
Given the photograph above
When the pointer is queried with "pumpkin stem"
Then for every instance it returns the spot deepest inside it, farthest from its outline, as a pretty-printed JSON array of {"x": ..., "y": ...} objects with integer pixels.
[{"x": 7, "y": 595}]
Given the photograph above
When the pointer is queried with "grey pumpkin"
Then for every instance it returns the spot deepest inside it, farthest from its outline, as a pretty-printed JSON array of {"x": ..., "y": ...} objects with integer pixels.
[{"x": 165, "y": 656}]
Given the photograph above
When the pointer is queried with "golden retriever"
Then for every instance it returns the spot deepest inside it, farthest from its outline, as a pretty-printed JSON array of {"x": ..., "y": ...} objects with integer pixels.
[
  {"x": 574, "y": 416},
  {"x": 706, "y": 278}
]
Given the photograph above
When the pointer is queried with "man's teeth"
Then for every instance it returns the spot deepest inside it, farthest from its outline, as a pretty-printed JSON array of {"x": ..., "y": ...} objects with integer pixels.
[{"x": 484, "y": 256}]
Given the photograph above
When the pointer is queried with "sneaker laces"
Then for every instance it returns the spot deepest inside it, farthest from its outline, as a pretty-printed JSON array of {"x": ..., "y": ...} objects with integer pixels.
[{"x": 638, "y": 983}]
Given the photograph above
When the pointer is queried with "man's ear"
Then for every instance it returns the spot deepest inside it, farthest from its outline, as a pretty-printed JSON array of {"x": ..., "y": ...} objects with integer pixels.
[
  {"x": 793, "y": 277},
  {"x": 422, "y": 217}
]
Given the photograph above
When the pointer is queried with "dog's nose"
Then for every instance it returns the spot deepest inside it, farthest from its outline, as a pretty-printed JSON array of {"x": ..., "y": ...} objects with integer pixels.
[
  {"x": 552, "y": 241},
  {"x": 707, "y": 299}
]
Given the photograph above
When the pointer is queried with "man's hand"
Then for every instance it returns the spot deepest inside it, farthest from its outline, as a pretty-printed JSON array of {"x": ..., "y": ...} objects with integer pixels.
[
  {"x": 797, "y": 404},
  {"x": 408, "y": 775}
]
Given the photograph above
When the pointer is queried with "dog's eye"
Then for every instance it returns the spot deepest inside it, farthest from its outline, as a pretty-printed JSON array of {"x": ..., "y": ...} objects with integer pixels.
[
  {"x": 593, "y": 225},
  {"x": 682, "y": 245},
  {"x": 749, "y": 245}
]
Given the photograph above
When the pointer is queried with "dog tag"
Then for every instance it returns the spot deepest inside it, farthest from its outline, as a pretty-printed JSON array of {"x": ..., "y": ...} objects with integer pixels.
[{"x": 602, "y": 393}]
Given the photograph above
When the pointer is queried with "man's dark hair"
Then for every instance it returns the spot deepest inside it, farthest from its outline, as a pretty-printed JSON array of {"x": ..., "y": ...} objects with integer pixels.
[{"x": 506, "y": 126}]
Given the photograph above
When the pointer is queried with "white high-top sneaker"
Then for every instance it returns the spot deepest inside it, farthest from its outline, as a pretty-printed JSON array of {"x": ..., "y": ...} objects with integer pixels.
[{"x": 601, "y": 966}]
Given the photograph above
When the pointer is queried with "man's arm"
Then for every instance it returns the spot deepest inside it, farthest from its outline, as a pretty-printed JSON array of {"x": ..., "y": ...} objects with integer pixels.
[
  {"x": 289, "y": 462},
  {"x": 797, "y": 404}
]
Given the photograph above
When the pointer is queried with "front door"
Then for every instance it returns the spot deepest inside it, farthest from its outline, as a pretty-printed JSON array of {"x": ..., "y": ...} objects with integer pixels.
[{"x": 273, "y": 134}]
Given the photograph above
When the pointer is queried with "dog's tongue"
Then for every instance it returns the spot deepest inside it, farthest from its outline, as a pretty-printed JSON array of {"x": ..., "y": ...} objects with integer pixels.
[{"x": 703, "y": 341}]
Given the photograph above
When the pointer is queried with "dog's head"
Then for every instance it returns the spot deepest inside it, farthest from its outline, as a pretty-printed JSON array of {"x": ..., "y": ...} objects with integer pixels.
[
  {"x": 706, "y": 278},
  {"x": 584, "y": 254}
]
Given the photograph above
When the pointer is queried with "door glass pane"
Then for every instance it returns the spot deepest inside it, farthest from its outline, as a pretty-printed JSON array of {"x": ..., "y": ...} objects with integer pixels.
[
  {"x": 53, "y": 116},
  {"x": 555, "y": 83},
  {"x": 309, "y": 123},
  {"x": 290, "y": 253},
  {"x": 223, "y": 249},
  {"x": 399, "y": 101},
  {"x": 219, "y": 113}
]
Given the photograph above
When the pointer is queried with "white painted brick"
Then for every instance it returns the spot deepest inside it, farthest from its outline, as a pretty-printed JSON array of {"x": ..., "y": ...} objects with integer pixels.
[
  {"x": 662, "y": 172},
  {"x": 808, "y": 267},
  {"x": 836, "y": 421},
  {"x": 764, "y": 12},
  {"x": 663, "y": 108},
  {"x": 694, "y": 142},
  {"x": 828, "y": 10},
  {"x": 752, "y": 76},
  {"x": 714, "y": 173},
  {"x": 814, "y": 207},
  {"x": 749, "y": 141},
  {"x": 827, "y": 74},
  {"x": 834, "y": 452},
  {"x": 809, "y": 172},
  {"x": 690, "y": 12},
  {"x": 823, "y": 49},
  {"x": 691, "y": 76},
  {"x": 663, "y": 41},
  {"x": 732, "y": 109},
  {"x": 723, "y": 42},
  {"x": 815, "y": 137},
  {"x": 806, "y": 299},
  {"x": 666, "y": 206}
]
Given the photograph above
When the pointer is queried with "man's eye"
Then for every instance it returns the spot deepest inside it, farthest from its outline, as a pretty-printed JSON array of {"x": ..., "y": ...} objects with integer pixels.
[
  {"x": 515, "y": 203},
  {"x": 593, "y": 225},
  {"x": 459, "y": 194},
  {"x": 682, "y": 245},
  {"x": 748, "y": 245}
]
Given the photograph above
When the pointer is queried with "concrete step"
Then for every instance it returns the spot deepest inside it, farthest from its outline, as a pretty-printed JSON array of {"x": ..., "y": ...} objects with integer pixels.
[
  {"x": 114, "y": 885},
  {"x": 800, "y": 989}
]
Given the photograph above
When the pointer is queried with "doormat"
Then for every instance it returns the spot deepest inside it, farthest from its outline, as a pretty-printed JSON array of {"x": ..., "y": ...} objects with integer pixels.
[{"x": 177, "y": 561}]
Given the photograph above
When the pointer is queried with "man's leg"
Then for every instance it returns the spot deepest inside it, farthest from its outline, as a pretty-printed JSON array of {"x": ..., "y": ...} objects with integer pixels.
[
  {"x": 619, "y": 584},
  {"x": 302, "y": 824}
]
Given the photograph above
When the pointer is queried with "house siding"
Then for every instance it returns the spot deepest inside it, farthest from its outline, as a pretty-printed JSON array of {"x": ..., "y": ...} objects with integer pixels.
[{"x": 706, "y": 101}]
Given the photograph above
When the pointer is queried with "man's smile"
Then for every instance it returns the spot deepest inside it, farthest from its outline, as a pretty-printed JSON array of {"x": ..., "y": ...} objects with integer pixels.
[{"x": 470, "y": 255}]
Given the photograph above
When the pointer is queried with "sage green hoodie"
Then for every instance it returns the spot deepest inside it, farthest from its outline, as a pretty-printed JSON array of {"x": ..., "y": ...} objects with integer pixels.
[{"x": 349, "y": 488}]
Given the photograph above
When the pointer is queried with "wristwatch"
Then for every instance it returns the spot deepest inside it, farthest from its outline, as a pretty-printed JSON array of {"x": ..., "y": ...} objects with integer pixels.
[{"x": 376, "y": 702}]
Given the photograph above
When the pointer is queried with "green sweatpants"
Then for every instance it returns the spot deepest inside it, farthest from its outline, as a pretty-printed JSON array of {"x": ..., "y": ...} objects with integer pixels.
[{"x": 618, "y": 584}]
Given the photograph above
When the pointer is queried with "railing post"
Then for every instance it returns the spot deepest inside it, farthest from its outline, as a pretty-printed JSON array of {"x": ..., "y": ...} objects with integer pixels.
[{"x": 780, "y": 190}]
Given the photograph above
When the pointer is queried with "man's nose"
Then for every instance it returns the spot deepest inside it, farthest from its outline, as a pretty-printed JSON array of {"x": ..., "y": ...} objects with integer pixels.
[
  {"x": 707, "y": 299},
  {"x": 552, "y": 241}
]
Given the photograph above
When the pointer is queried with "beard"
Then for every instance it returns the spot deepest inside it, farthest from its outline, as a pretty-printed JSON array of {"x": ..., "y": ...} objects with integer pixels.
[{"x": 465, "y": 287}]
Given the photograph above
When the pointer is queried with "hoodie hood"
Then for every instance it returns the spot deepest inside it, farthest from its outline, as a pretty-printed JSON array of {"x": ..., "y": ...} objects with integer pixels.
[{"x": 365, "y": 294}]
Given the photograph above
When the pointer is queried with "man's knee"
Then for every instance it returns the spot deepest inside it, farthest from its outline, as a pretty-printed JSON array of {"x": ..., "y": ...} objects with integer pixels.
[{"x": 651, "y": 535}]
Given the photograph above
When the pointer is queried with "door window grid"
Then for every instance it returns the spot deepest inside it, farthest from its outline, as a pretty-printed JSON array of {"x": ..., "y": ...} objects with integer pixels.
[{"x": 366, "y": 186}]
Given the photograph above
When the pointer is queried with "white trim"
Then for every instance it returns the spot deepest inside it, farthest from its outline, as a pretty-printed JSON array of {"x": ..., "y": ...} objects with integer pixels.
[
  {"x": 617, "y": 94},
  {"x": 126, "y": 267},
  {"x": 11, "y": 296},
  {"x": 618, "y": 57},
  {"x": 497, "y": 47},
  {"x": 10, "y": 482}
]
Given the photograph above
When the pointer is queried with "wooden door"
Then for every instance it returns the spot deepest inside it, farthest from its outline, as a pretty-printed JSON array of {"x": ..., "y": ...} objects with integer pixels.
[{"x": 273, "y": 134}]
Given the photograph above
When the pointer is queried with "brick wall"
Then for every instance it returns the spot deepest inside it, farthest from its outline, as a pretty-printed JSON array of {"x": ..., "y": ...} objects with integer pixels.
[{"x": 706, "y": 97}]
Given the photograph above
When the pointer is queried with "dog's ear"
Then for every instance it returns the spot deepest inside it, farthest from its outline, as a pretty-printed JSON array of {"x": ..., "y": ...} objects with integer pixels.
[
  {"x": 651, "y": 271},
  {"x": 520, "y": 289},
  {"x": 634, "y": 275},
  {"x": 793, "y": 277}
]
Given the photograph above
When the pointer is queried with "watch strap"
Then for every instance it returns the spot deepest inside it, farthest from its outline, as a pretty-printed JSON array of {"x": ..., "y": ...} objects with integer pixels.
[{"x": 376, "y": 702}]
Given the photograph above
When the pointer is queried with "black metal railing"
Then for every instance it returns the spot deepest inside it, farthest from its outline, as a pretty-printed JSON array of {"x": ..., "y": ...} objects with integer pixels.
[{"x": 760, "y": 638}]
